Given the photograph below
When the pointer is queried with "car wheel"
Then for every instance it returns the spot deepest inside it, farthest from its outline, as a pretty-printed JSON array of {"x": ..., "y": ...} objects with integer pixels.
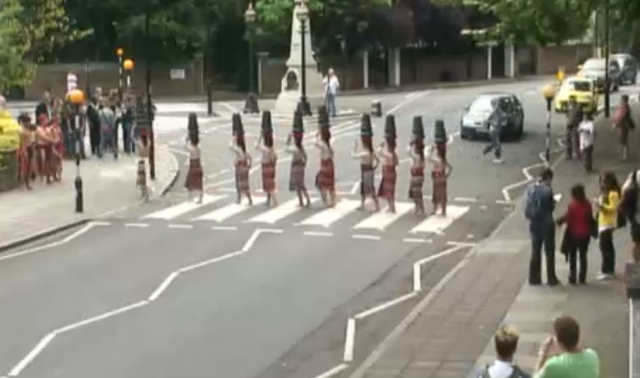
[{"x": 463, "y": 135}]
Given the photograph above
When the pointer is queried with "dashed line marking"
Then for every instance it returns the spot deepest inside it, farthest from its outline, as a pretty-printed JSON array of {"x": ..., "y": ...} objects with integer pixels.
[
  {"x": 224, "y": 228},
  {"x": 416, "y": 240},
  {"x": 101, "y": 223},
  {"x": 366, "y": 237},
  {"x": 181, "y": 226},
  {"x": 316, "y": 233},
  {"x": 137, "y": 225}
]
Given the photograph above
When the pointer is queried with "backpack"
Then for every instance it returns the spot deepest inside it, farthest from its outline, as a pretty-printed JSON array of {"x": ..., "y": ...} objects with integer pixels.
[
  {"x": 534, "y": 202},
  {"x": 516, "y": 373}
]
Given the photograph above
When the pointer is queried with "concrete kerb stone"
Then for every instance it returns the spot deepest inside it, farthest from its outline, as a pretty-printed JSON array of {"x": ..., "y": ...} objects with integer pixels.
[{"x": 172, "y": 176}]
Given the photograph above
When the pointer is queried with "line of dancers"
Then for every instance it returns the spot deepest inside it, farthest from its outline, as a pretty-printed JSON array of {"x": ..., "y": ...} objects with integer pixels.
[{"x": 385, "y": 157}]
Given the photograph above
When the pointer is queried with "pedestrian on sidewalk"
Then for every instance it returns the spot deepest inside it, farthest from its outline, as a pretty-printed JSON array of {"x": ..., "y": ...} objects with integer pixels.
[
  {"x": 387, "y": 154},
  {"x": 195, "y": 174},
  {"x": 440, "y": 172},
  {"x": 580, "y": 228},
  {"x": 93, "y": 117},
  {"x": 45, "y": 149},
  {"x": 326, "y": 179},
  {"x": 298, "y": 165},
  {"x": 368, "y": 164},
  {"x": 574, "y": 117},
  {"x": 27, "y": 151},
  {"x": 331, "y": 86},
  {"x": 416, "y": 152},
  {"x": 108, "y": 129},
  {"x": 269, "y": 161},
  {"x": 494, "y": 124},
  {"x": 540, "y": 205},
  {"x": 506, "y": 343},
  {"x": 623, "y": 121},
  {"x": 243, "y": 165},
  {"x": 573, "y": 361},
  {"x": 629, "y": 207},
  {"x": 127, "y": 125},
  {"x": 586, "y": 131},
  {"x": 608, "y": 220}
]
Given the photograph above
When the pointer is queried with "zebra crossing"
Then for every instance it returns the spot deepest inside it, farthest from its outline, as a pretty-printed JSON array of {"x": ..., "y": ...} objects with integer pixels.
[{"x": 222, "y": 210}]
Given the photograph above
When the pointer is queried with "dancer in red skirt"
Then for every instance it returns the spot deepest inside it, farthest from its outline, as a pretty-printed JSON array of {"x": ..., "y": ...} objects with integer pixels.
[
  {"x": 44, "y": 148},
  {"x": 325, "y": 179},
  {"x": 368, "y": 164},
  {"x": 27, "y": 151},
  {"x": 440, "y": 174},
  {"x": 269, "y": 160},
  {"x": 416, "y": 150},
  {"x": 389, "y": 158},
  {"x": 298, "y": 164},
  {"x": 195, "y": 175},
  {"x": 243, "y": 164}
]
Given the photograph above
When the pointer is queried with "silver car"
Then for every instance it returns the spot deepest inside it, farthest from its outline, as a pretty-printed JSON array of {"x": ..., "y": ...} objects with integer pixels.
[
  {"x": 628, "y": 68},
  {"x": 594, "y": 68},
  {"x": 475, "y": 120}
]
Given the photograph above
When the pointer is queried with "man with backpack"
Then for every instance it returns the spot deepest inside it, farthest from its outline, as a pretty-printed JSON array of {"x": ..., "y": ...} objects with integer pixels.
[
  {"x": 540, "y": 205},
  {"x": 506, "y": 343}
]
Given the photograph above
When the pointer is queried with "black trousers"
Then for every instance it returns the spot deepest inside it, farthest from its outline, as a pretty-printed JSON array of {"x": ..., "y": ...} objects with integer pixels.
[
  {"x": 571, "y": 142},
  {"x": 95, "y": 139},
  {"x": 542, "y": 235},
  {"x": 608, "y": 251},
  {"x": 587, "y": 157},
  {"x": 577, "y": 251}
]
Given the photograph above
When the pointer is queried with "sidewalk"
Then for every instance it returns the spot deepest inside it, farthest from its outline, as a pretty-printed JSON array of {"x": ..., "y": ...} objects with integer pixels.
[
  {"x": 108, "y": 185},
  {"x": 455, "y": 326}
]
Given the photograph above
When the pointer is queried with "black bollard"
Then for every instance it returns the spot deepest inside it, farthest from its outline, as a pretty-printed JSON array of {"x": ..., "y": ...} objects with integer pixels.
[
  {"x": 209, "y": 99},
  {"x": 78, "y": 185},
  {"x": 376, "y": 108}
]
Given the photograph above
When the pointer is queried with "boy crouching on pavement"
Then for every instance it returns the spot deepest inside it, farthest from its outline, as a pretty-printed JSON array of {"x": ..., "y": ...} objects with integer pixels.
[{"x": 506, "y": 342}]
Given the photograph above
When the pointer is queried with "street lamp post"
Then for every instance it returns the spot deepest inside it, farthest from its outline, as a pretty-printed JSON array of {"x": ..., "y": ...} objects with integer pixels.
[
  {"x": 607, "y": 76},
  {"x": 77, "y": 99},
  {"x": 128, "y": 66},
  {"x": 251, "y": 104},
  {"x": 152, "y": 147},
  {"x": 303, "y": 16},
  {"x": 549, "y": 93},
  {"x": 120, "y": 53}
]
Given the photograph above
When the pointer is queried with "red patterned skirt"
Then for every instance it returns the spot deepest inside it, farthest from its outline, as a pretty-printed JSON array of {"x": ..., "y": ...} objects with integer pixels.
[
  {"x": 242, "y": 176},
  {"x": 439, "y": 179},
  {"x": 417, "y": 181},
  {"x": 194, "y": 176},
  {"x": 388, "y": 184},
  {"x": 296, "y": 179},
  {"x": 269, "y": 177},
  {"x": 326, "y": 178}
]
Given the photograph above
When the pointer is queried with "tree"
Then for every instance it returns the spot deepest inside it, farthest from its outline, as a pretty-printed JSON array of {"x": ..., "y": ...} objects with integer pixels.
[{"x": 14, "y": 70}]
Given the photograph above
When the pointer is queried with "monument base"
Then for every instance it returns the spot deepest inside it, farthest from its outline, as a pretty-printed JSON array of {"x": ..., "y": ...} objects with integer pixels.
[{"x": 290, "y": 94}]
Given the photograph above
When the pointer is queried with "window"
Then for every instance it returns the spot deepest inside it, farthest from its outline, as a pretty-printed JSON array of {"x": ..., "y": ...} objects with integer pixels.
[
  {"x": 481, "y": 104},
  {"x": 594, "y": 64},
  {"x": 578, "y": 86}
]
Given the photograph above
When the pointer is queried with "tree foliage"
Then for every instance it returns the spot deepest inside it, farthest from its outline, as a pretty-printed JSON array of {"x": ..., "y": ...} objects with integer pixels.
[{"x": 14, "y": 70}]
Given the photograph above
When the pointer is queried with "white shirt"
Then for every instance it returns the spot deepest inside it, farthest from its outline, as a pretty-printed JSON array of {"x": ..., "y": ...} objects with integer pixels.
[
  {"x": 72, "y": 82},
  {"x": 331, "y": 84},
  {"x": 586, "y": 131},
  {"x": 500, "y": 369}
]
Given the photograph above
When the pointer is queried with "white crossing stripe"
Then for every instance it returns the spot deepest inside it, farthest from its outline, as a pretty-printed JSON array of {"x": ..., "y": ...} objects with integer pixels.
[
  {"x": 437, "y": 223},
  {"x": 328, "y": 216},
  {"x": 182, "y": 208},
  {"x": 226, "y": 212},
  {"x": 383, "y": 219},
  {"x": 279, "y": 212}
]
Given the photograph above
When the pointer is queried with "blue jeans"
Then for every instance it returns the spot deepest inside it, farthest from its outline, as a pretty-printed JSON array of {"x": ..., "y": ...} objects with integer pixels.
[
  {"x": 330, "y": 101},
  {"x": 494, "y": 144},
  {"x": 126, "y": 137},
  {"x": 542, "y": 235}
]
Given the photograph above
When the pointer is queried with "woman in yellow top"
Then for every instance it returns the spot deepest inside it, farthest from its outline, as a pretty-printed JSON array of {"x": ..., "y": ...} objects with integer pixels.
[{"x": 607, "y": 205}]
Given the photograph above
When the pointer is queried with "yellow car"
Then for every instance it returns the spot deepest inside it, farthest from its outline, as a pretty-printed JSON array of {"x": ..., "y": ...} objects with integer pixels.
[{"x": 583, "y": 89}]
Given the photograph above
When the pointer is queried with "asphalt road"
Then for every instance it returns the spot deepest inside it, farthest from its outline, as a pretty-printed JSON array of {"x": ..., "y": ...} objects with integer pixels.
[{"x": 172, "y": 289}]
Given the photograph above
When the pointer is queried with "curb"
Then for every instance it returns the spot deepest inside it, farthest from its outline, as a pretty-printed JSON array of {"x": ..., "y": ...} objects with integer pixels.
[{"x": 43, "y": 234}]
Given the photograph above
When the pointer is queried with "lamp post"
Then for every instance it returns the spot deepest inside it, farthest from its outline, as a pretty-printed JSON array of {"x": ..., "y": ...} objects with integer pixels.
[
  {"x": 251, "y": 104},
  {"x": 607, "y": 76},
  {"x": 120, "y": 53},
  {"x": 128, "y": 66},
  {"x": 303, "y": 16},
  {"x": 76, "y": 97},
  {"x": 549, "y": 93},
  {"x": 152, "y": 146}
]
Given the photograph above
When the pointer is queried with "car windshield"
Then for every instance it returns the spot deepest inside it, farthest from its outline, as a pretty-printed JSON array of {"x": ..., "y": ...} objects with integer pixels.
[
  {"x": 578, "y": 86},
  {"x": 481, "y": 105},
  {"x": 594, "y": 65}
]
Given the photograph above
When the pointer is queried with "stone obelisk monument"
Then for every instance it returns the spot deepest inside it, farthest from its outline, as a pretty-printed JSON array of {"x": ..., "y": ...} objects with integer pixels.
[{"x": 291, "y": 86}]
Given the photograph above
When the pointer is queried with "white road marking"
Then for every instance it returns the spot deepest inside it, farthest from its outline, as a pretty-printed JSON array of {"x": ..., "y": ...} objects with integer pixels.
[
  {"x": 327, "y": 217},
  {"x": 438, "y": 223},
  {"x": 483, "y": 207},
  {"x": 229, "y": 106},
  {"x": 465, "y": 199},
  {"x": 349, "y": 342},
  {"x": 137, "y": 225},
  {"x": 181, "y": 226},
  {"x": 247, "y": 246},
  {"x": 355, "y": 188},
  {"x": 224, "y": 228},
  {"x": 67, "y": 239},
  {"x": 406, "y": 101},
  {"x": 101, "y": 223},
  {"x": 382, "y": 219},
  {"x": 32, "y": 355},
  {"x": 333, "y": 371},
  {"x": 470, "y": 236},
  {"x": 179, "y": 152},
  {"x": 182, "y": 208},
  {"x": 226, "y": 212},
  {"x": 366, "y": 237},
  {"x": 214, "y": 260},
  {"x": 163, "y": 286},
  {"x": 277, "y": 213},
  {"x": 100, "y": 317},
  {"x": 414, "y": 240},
  {"x": 315, "y": 233},
  {"x": 385, "y": 305}
]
